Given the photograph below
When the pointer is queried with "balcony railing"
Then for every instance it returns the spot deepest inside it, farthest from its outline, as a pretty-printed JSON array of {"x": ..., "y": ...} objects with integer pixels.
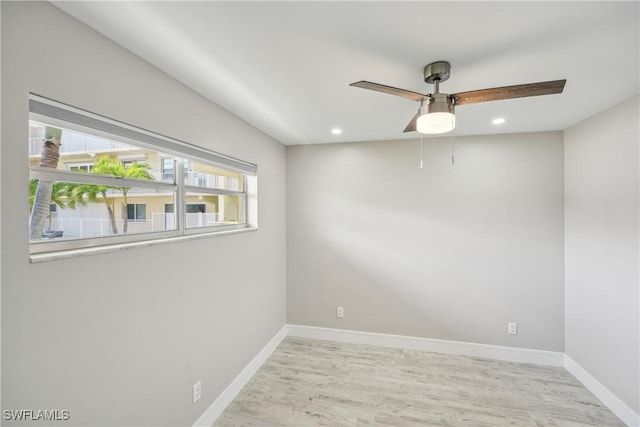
[
  {"x": 73, "y": 143},
  {"x": 204, "y": 180}
]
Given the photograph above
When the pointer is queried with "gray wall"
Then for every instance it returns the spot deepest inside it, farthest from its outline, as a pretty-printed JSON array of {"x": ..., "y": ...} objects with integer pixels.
[
  {"x": 119, "y": 338},
  {"x": 602, "y": 317},
  {"x": 449, "y": 252}
]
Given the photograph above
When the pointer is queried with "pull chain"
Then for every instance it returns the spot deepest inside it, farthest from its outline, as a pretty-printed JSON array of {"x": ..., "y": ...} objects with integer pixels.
[
  {"x": 421, "y": 152},
  {"x": 453, "y": 159}
]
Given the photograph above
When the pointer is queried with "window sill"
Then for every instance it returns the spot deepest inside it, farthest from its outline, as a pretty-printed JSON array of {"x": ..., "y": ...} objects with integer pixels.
[{"x": 73, "y": 253}]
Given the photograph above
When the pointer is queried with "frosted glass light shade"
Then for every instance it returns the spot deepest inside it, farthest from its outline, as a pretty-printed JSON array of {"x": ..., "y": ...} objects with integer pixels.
[{"x": 434, "y": 123}]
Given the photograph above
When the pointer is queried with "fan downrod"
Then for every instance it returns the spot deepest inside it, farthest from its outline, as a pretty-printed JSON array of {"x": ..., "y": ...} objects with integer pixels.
[{"x": 437, "y": 72}]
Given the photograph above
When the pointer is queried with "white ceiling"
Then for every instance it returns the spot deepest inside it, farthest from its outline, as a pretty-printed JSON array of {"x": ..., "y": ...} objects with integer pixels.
[{"x": 285, "y": 67}]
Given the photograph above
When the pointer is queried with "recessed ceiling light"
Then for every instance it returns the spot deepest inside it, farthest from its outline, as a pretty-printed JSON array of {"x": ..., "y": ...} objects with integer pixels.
[
  {"x": 336, "y": 131},
  {"x": 498, "y": 121}
]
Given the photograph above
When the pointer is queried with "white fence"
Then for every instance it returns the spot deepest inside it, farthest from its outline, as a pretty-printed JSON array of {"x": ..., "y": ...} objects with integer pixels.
[
  {"x": 193, "y": 220},
  {"x": 75, "y": 228}
]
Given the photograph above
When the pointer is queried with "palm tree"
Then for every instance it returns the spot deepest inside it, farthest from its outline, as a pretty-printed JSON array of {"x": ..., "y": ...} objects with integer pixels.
[
  {"x": 90, "y": 193},
  {"x": 106, "y": 165},
  {"x": 42, "y": 199},
  {"x": 59, "y": 195},
  {"x": 137, "y": 171}
]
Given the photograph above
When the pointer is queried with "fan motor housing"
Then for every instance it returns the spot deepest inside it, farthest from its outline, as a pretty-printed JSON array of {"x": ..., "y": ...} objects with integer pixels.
[
  {"x": 437, "y": 71},
  {"x": 438, "y": 103}
]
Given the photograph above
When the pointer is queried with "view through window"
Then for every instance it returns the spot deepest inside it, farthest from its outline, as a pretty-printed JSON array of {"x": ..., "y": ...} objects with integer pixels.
[{"x": 97, "y": 182}]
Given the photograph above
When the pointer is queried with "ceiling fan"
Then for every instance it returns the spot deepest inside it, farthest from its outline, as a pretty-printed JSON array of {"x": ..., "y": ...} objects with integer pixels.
[{"x": 436, "y": 112}]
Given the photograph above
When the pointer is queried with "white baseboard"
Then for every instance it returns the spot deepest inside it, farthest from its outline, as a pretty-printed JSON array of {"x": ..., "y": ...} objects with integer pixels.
[
  {"x": 522, "y": 355},
  {"x": 513, "y": 354},
  {"x": 218, "y": 406},
  {"x": 617, "y": 406}
]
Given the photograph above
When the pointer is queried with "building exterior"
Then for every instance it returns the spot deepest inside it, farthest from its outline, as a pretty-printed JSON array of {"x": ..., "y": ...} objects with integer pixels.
[{"x": 140, "y": 210}]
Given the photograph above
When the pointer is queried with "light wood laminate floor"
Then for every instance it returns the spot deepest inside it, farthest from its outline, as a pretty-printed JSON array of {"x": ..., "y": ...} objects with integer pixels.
[{"x": 308, "y": 382}]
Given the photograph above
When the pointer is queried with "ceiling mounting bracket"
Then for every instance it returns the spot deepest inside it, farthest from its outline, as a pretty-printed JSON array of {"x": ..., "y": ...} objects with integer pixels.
[{"x": 437, "y": 72}]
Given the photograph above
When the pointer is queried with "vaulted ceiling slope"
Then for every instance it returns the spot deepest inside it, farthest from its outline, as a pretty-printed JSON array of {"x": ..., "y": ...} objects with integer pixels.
[{"x": 285, "y": 67}]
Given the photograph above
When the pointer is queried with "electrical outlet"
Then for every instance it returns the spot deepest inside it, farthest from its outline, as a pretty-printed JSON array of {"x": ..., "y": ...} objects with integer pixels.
[
  {"x": 340, "y": 312},
  {"x": 197, "y": 391},
  {"x": 512, "y": 328}
]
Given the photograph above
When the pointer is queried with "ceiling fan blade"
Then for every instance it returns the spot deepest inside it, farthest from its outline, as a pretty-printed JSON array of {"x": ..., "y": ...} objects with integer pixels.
[
  {"x": 508, "y": 92},
  {"x": 412, "y": 126},
  {"x": 415, "y": 96}
]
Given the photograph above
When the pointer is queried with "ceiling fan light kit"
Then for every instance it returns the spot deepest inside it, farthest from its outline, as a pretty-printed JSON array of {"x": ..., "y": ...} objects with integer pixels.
[
  {"x": 435, "y": 123},
  {"x": 436, "y": 113}
]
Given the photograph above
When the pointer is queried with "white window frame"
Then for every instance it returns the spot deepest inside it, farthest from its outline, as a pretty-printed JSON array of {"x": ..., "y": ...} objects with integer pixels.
[{"x": 54, "y": 113}]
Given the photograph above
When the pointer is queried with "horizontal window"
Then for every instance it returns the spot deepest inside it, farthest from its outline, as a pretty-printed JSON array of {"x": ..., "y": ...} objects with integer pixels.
[{"x": 96, "y": 182}]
